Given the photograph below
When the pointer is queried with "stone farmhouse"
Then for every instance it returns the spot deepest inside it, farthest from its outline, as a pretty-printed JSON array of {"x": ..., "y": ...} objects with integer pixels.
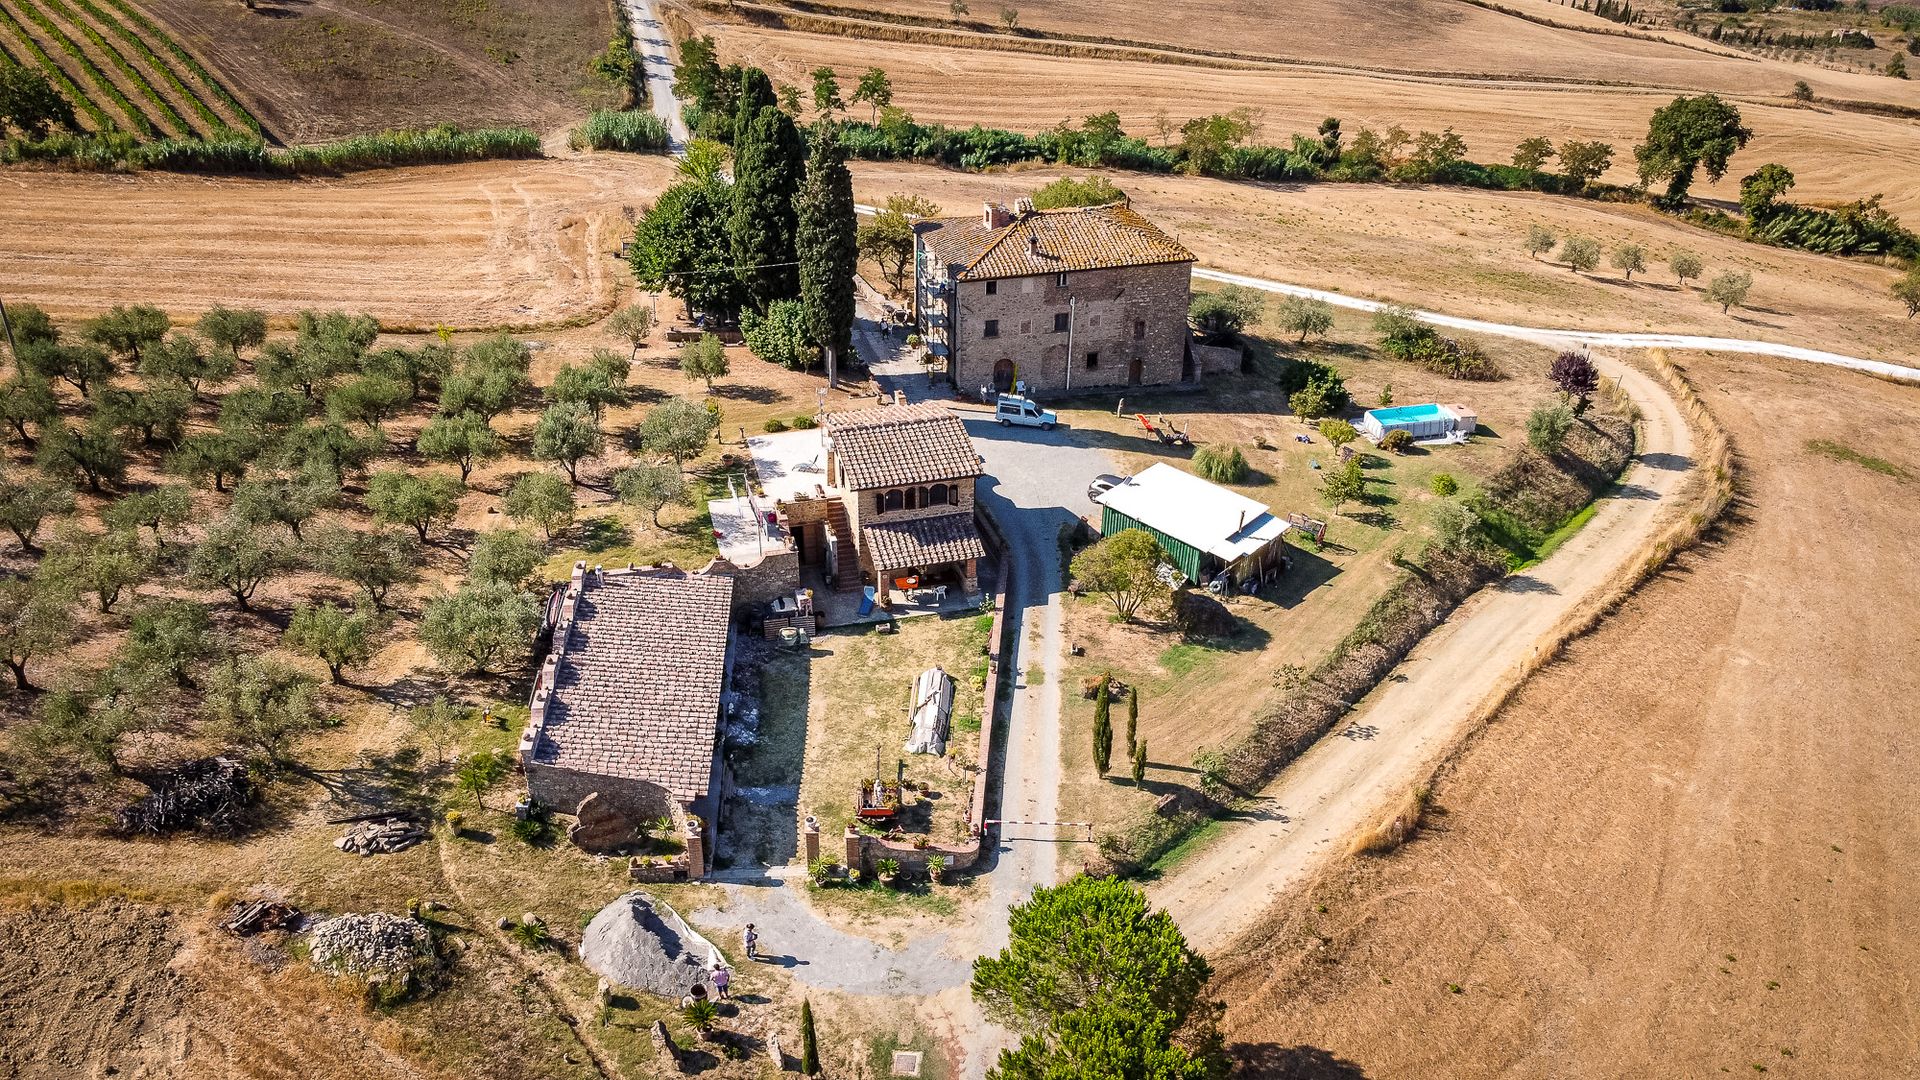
[
  {"x": 626, "y": 724},
  {"x": 1059, "y": 300}
]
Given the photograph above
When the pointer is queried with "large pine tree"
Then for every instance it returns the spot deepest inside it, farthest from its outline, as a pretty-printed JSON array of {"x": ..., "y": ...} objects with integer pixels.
[
  {"x": 825, "y": 243},
  {"x": 769, "y": 160}
]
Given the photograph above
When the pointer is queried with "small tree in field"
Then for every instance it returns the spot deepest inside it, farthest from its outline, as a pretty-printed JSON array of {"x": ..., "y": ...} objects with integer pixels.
[
  {"x": 238, "y": 557},
  {"x": 705, "y": 359},
  {"x": 1338, "y": 433},
  {"x": 677, "y": 428},
  {"x": 398, "y": 497},
  {"x": 1221, "y": 315},
  {"x": 1907, "y": 291},
  {"x": 1574, "y": 373},
  {"x": 504, "y": 557},
  {"x": 36, "y": 618},
  {"x": 1627, "y": 258},
  {"x": 1547, "y": 428},
  {"x": 651, "y": 487},
  {"x": 25, "y": 503},
  {"x": 809, "y": 1042},
  {"x": 438, "y": 723},
  {"x": 1729, "y": 290},
  {"x": 1540, "y": 240},
  {"x": 568, "y": 434},
  {"x": 1580, "y": 253},
  {"x": 463, "y": 441},
  {"x": 1102, "y": 730},
  {"x": 542, "y": 499},
  {"x": 479, "y": 626},
  {"x": 376, "y": 560},
  {"x": 1305, "y": 316},
  {"x": 1685, "y": 266},
  {"x": 262, "y": 704},
  {"x": 1532, "y": 153},
  {"x": 631, "y": 324},
  {"x": 234, "y": 329},
  {"x": 1343, "y": 485},
  {"x": 1140, "y": 762},
  {"x": 1124, "y": 568},
  {"x": 339, "y": 636}
]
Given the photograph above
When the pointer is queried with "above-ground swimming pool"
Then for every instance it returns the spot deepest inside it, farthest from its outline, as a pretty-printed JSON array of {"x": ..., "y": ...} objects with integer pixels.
[{"x": 1429, "y": 421}]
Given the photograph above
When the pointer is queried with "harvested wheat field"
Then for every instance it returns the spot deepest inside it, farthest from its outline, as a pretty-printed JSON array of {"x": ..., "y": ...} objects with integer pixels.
[
  {"x": 1836, "y": 156},
  {"x": 1685, "y": 849},
  {"x": 481, "y": 245},
  {"x": 1459, "y": 251}
]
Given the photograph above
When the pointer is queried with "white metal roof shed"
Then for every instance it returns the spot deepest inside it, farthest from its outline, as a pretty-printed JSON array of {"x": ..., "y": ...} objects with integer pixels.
[{"x": 1222, "y": 523}]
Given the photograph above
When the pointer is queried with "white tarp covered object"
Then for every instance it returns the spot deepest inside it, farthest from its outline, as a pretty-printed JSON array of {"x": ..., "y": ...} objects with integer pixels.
[{"x": 932, "y": 712}]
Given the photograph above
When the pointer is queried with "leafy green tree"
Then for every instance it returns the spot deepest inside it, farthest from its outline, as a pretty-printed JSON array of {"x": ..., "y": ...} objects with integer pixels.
[
  {"x": 1102, "y": 730},
  {"x": 1584, "y": 162},
  {"x": 769, "y": 162},
  {"x": 1133, "y": 721},
  {"x": 370, "y": 399},
  {"x": 875, "y": 89},
  {"x": 215, "y": 456},
  {"x": 826, "y": 241},
  {"x": 651, "y": 487},
  {"x": 1627, "y": 258},
  {"x": 421, "y": 369},
  {"x": 479, "y": 626},
  {"x": 25, "y": 399},
  {"x": 464, "y": 441},
  {"x": 1686, "y": 135},
  {"x": 36, "y": 619},
  {"x": 1221, "y": 315},
  {"x": 1083, "y": 955},
  {"x": 1305, "y": 315},
  {"x": 480, "y": 772},
  {"x": 542, "y": 499},
  {"x": 237, "y": 557},
  {"x": 1761, "y": 189},
  {"x": 124, "y": 330},
  {"x": 1580, "y": 253},
  {"x": 567, "y": 434},
  {"x": 504, "y": 557},
  {"x": 631, "y": 324},
  {"x": 262, "y": 704},
  {"x": 826, "y": 92},
  {"x": 1897, "y": 66},
  {"x": 29, "y": 324},
  {"x": 86, "y": 722},
  {"x": 705, "y": 359},
  {"x": 326, "y": 451},
  {"x": 85, "y": 367},
  {"x": 678, "y": 428},
  {"x": 1206, "y": 140},
  {"x": 1729, "y": 290},
  {"x": 185, "y": 357},
  {"x": 170, "y": 638},
  {"x": 1540, "y": 240},
  {"x": 96, "y": 453},
  {"x": 1124, "y": 568},
  {"x": 1343, "y": 484},
  {"x": 234, "y": 329},
  {"x": 1532, "y": 153},
  {"x": 705, "y": 161},
  {"x": 1684, "y": 265},
  {"x": 683, "y": 247},
  {"x": 26, "y": 503},
  {"x": 377, "y": 561},
  {"x": 106, "y": 565},
  {"x": 398, "y": 497},
  {"x": 291, "y": 501},
  {"x": 781, "y": 335},
  {"x": 1801, "y": 91},
  {"x": 590, "y": 385},
  {"x": 440, "y": 723},
  {"x": 1071, "y": 191},
  {"x": 159, "y": 413},
  {"x": 1907, "y": 290},
  {"x": 338, "y": 635},
  {"x": 485, "y": 394},
  {"x": 1338, "y": 433},
  {"x": 1547, "y": 428},
  {"x": 30, "y": 105},
  {"x": 887, "y": 237},
  {"x": 161, "y": 509},
  {"x": 1323, "y": 395},
  {"x": 258, "y": 417}
]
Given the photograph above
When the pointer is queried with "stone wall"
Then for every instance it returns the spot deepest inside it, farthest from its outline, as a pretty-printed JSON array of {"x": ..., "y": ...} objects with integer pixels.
[
  {"x": 862, "y": 852},
  {"x": 755, "y": 586},
  {"x": 1109, "y": 303},
  {"x": 565, "y": 789}
]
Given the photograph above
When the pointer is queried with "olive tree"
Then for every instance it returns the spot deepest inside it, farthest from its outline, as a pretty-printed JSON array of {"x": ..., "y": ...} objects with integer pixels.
[
  {"x": 234, "y": 329},
  {"x": 1540, "y": 240},
  {"x": 1305, "y": 315},
  {"x": 26, "y": 503},
  {"x": 479, "y": 626},
  {"x": 169, "y": 638},
  {"x": 678, "y": 428},
  {"x": 25, "y": 399},
  {"x": 568, "y": 434},
  {"x": 651, "y": 487},
  {"x": 124, "y": 331},
  {"x": 1124, "y": 568},
  {"x": 1627, "y": 258},
  {"x": 338, "y": 635},
  {"x": 236, "y": 556},
  {"x": 1580, "y": 253},
  {"x": 262, "y": 704},
  {"x": 399, "y": 497},
  {"x": 104, "y": 564},
  {"x": 542, "y": 499},
  {"x": 631, "y": 324},
  {"x": 1729, "y": 290},
  {"x": 1685, "y": 265},
  {"x": 504, "y": 557},
  {"x": 1222, "y": 314},
  {"x": 463, "y": 441},
  {"x": 704, "y": 359},
  {"x": 36, "y": 618},
  {"x": 377, "y": 560}
]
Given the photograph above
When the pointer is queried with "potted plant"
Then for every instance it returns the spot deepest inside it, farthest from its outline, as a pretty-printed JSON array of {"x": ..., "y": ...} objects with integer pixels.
[
  {"x": 701, "y": 1013},
  {"x": 937, "y": 867},
  {"x": 889, "y": 870}
]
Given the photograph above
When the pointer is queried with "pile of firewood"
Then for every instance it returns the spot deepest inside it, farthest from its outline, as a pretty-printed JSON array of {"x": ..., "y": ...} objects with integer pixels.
[{"x": 382, "y": 836}]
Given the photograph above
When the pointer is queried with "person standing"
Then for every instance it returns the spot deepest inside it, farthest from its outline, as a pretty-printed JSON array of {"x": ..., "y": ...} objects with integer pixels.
[
  {"x": 753, "y": 943},
  {"x": 722, "y": 978}
]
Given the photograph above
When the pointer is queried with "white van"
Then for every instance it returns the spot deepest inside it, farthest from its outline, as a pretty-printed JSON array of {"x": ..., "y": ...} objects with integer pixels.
[{"x": 1012, "y": 409}]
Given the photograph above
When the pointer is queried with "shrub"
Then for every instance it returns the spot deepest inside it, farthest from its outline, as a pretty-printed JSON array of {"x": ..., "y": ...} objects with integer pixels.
[
  {"x": 1547, "y": 428},
  {"x": 774, "y": 425},
  {"x": 936, "y": 866},
  {"x": 887, "y": 868},
  {"x": 804, "y": 423},
  {"x": 630, "y": 130},
  {"x": 456, "y": 821},
  {"x": 1338, "y": 432},
  {"x": 1397, "y": 440},
  {"x": 1221, "y": 464},
  {"x": 1443, "y": 484}
]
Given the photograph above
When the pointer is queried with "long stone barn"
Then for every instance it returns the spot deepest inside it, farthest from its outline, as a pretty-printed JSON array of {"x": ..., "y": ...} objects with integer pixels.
[{"x": 627, "y": 721}]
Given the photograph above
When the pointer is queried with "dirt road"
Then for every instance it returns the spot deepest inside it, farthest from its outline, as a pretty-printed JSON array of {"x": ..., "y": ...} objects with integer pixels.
[
  {"x": 655, "y": 46},
  {"x": 1391, "y": 740}
]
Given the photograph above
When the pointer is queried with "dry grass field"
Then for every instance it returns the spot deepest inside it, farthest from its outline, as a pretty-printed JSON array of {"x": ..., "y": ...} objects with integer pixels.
[
  {"x": 1837, "y": 156},
  {"x": 321, "y": 69},
  {"x": 1685, "y": 848}
]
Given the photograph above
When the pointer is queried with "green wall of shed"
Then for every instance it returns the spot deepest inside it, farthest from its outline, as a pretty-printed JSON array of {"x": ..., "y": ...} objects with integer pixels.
[{"x": 1183, "y": 555}]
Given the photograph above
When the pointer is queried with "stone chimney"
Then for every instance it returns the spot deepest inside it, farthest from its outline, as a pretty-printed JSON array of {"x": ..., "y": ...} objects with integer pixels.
[
  {"x": 1022, "y": 207},
  {"x": 995, "y": 216}
]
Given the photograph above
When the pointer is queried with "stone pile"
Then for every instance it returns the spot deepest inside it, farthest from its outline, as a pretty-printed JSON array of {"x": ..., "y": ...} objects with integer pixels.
[
  {"x": 377, "y": 946},
  {"x": 382, "y": 837}
]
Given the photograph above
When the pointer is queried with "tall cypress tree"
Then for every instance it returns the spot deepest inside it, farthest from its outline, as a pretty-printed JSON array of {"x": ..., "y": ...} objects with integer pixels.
[
  {"x": 809, "y": 1042},
  {"x": 1133, "y": 720},
  {"x": 756, "y": 93},
  {"x": 1102, "y": 731},
  {"x": 769, "y": 160},
  {"x": 825, "y": 243}
]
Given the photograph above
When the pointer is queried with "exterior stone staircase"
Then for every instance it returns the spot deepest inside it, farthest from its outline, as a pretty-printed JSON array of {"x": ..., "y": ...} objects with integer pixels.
[{"x": 846, "y": 572}]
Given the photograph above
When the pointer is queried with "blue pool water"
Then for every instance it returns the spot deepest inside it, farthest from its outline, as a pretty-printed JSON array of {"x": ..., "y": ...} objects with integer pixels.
[{"x": 1406, "y": 413}]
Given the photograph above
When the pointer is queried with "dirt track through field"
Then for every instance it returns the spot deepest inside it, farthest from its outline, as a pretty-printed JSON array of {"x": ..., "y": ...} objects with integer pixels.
[
  {"x": 1390, "y": 741},
  {"x": 1685, "y": 849}
]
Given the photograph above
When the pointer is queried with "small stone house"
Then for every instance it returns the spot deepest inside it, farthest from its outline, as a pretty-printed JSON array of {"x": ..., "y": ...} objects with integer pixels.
[
  {"x": 1060, "y": 300},
  {"x": 904, "y": 475},
  {"x": 626, "y": 721}
]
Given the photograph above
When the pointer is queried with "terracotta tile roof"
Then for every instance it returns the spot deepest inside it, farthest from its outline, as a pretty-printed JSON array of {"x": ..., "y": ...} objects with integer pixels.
[
  {"x": 901, "y": 444},
  {"x": 1050, "y": 241},
  {"x": 949, "y": 538},
  {"x": 636, "y": 691}
]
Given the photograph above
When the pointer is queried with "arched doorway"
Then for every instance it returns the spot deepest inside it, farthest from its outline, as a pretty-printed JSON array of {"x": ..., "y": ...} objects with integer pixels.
[
  {"x": 1136, "y": 371},
  {"x": 1003, "y": 373}
]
